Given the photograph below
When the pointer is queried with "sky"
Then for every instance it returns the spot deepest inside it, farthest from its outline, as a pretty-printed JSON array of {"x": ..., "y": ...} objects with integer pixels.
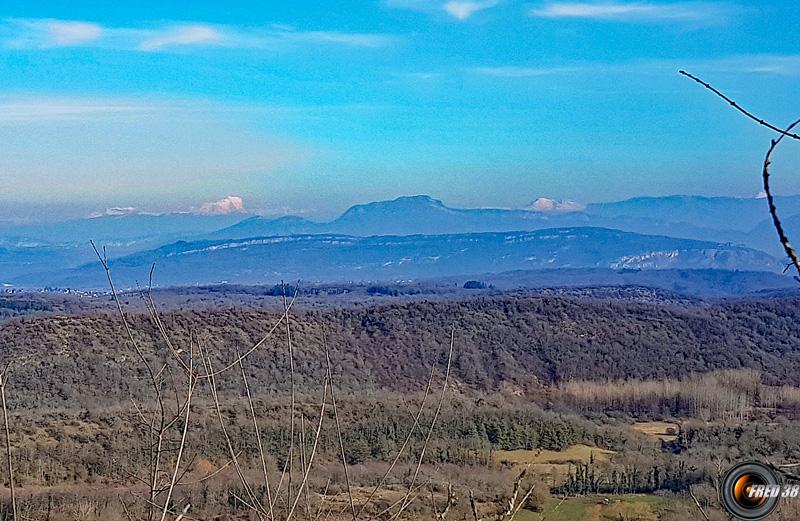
[{"x": 309, "y": 107}]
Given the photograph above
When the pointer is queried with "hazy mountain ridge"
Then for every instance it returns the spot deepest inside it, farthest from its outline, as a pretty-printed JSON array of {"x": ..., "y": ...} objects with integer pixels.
[
  {"x": 410, "y": 215},
  {"x": 720, "y": 213},
  {"x": 33, "y": 254},
  {"x": 717, "y": 219},
  {"x": 122, "y": 228},
  {"x": 348, "y": 258}
]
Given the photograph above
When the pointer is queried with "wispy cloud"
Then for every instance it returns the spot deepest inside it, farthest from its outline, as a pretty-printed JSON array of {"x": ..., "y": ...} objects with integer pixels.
[
  {"x": 33, "y": 109},
  {"x": 50, "y": 33},
  {"x": 419, "y": 76},
  {"x": 636, "y": 11},
  {"x": 46, "y": 33},
  {"x": 522, "y": 72},
  {"x": 38, "y": 109},
  {"x": 459, "y": 9},
  {"x": 339, "y": 38},
  {"x": 735, "y": 65},
  {"x": 778, "y": 65},
  {"x": 182, "y": 36},
  {"x": 462, "y": 10}
]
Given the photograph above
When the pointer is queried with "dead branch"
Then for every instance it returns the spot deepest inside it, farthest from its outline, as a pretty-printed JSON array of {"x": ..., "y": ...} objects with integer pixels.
[
  {"x": 293, "y": 398},
  {"x": 451, "y": 501},
  {"x": 338, "y": 425},
  {"x": 258, "y": 437},
  {"x": 287, "y": 467},
  {"x": 698, "y": 505},
  {"x": 776, "y": 222},
  {"x": 738, "y": 107},
  {"x": 388, "y": 509},
  {"x": 773, "y": 211},
  {"x": 307, "y": 470},
  {"x": 405, "y": 442},
  {"x": 156, "y": 435},
  {"x": 212, "y": 386},
  {"x": 263, "y": 340},
  {"x": 179, "y": 457},
  {"x": 514, "y": 503},
  {"x": 406, "y": 501},
  {"x": 10, "y": 466},
  {"x": 543, "y": 517},
  {"x": 210, "y": 474},
  {"x": 322, "y": 499}
]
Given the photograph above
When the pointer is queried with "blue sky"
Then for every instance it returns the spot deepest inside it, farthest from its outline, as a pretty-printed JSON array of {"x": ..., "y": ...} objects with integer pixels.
[{"x": 309, "y": 107}]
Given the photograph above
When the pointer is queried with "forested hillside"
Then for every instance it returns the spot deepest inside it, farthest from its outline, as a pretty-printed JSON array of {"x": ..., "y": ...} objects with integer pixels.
[{"x": 509, "y": 341}]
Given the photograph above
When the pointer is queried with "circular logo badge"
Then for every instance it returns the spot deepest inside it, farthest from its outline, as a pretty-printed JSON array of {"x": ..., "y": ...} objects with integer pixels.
[{"x": 750, "y": 491}]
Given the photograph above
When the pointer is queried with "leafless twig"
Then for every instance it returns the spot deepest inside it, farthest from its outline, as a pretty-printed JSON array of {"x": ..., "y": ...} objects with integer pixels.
[
  {"x": 179, "y": 457},
  {"x": 405, "y": 442},
  {"x": 765, "y": 174},
  {"x": 738, "y": 107},
  {"x": 307, "y": 470},
  {"x": 338, "y": 425},
  {"x": 451, "y": 501},
  {"x": 10, "y": 466},
  {"x": 212, "y": 386},
  {"x": 406, "y": 501},
  {"x": 258, "y": 437},
  {"x": 773, "y": 211},
  {"x": 514, "y": 505},
  {"x": 698, "y": 505}
]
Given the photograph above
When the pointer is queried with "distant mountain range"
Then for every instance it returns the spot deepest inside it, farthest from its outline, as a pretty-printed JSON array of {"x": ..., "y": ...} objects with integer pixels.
[
  {"x": 326, "y": 257},
  {"x": 414, "y": 215},
  {"x": 371, "y": 241},
  {"x": 721, "y": 219}
]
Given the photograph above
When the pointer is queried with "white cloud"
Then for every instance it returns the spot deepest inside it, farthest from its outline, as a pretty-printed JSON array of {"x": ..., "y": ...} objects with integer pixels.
[
  {"x": 458, "y": 9},
  {"x": 115, "y": 211},
  {"x": 226, "y": 205},
  {"x": 462, "y": 10},
  {"x": 522, "y": 72},
  {"x": 182, "y": 36},
  {"x": 48, "y": 33},
  {"x": 735, "y": 65},
  {"x": 420, "y": 76},
  {"x": 73, "y": 33},
  {"x": 635, "y": 11},
  {"x": 543, "y": 204},
  {"x": 130, "y": 110},
  {"x": 29, "y": 109},
  {"x": 339, "y": 38}
]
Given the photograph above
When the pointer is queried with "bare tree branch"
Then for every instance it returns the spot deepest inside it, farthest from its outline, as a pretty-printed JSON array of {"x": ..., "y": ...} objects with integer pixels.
[
  {"x": 258, "y": 436},
  {"x": 698, "y": 505},
  {"x": 307, "y": 470},
  {"x": 10, "y": 466},
  {"x": 738, "y": 107},
  {"x": 338, "y": 425},
  {"x": 212, "y": 385},
  {"x": 773, "y": 211},
  {"x": 410, "y": 434},
  {"x": 765, "y": 174},
  {"x": 406, "y": 501},
  {"x": 179, "y": 457}
]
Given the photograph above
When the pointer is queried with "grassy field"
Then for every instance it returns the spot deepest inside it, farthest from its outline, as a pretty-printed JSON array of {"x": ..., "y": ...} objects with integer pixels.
[
  {"x": 596, "y": 508},
  {"x": 574, "y": 454},
  {"x": 554, "y": 466},
  {"x": 665, "y": 431}
]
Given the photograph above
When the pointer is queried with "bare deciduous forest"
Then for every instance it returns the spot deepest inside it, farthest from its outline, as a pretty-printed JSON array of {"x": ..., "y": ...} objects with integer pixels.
[
  {"x": 524, "y": 407},
  {"x": 501, "y": 407}
]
